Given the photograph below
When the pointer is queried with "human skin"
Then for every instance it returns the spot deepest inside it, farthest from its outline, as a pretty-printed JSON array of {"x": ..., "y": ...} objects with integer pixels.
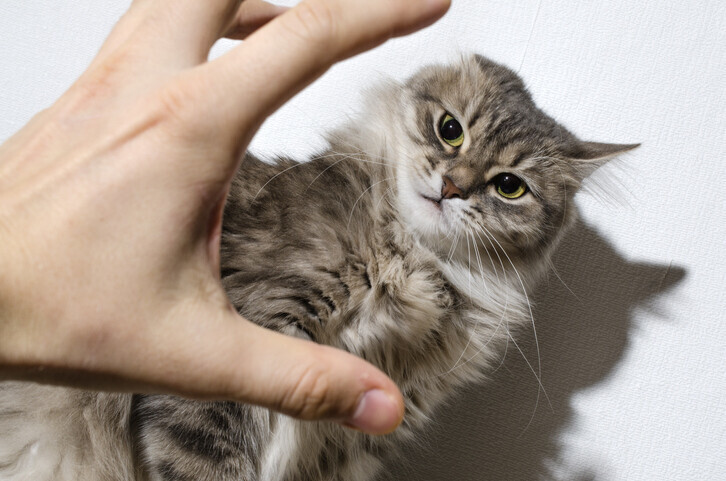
[{"x": 111, "y": 203}]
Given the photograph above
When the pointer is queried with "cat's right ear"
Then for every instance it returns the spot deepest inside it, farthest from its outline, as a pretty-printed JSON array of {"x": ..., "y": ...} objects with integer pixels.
[{"x": 589, "y": 156}]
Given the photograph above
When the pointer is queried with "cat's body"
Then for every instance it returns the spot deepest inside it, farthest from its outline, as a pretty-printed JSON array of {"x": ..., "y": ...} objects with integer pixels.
[{"x": 402, "y": 243}]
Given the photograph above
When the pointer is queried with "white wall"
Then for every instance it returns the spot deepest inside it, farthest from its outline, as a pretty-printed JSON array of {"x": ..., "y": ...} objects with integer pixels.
[{"x": 633, "y": 359}]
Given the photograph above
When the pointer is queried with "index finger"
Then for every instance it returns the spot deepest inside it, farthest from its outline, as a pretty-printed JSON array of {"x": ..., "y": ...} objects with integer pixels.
[{"x": 281, "y": 58}]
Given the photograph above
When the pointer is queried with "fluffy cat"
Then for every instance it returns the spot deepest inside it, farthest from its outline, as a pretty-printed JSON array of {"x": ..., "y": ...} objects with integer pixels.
[{"x": 411, "y": 242}]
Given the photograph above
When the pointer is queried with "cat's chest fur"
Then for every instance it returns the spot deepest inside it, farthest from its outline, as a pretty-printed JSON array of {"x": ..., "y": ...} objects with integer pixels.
[
  {"x": 403, "y": 244},
  {"x": 319, "y": 251}
]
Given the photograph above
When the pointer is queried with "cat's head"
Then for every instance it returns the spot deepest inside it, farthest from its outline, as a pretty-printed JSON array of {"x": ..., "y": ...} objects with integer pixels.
[{"x": 475, "y": 159}]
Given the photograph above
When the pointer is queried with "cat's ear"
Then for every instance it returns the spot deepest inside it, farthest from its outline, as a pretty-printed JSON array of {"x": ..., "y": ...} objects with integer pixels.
[{"x": 588, "y": 156}]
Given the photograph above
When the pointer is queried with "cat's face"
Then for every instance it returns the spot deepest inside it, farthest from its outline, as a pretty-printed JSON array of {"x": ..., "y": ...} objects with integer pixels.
[{"x": 478, "y": 162}]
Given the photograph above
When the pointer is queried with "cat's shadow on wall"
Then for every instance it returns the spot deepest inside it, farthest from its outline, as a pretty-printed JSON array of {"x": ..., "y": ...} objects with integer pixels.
[{"x": 497, "y": 431}]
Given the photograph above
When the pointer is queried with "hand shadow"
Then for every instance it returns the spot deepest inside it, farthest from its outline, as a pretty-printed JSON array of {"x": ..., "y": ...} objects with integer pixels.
[{"x": 501, "y": 430}]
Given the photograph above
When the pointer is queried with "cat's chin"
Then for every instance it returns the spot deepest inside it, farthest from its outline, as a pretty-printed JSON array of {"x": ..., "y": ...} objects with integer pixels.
[
  {"x": 431, "y": 219},
  {"x": 427, "y": 214},
  {"x": 435, "y": 202}
]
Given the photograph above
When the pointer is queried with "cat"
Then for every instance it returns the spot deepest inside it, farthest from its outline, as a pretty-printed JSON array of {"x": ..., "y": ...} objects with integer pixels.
[{"x": 412, "y": 242}]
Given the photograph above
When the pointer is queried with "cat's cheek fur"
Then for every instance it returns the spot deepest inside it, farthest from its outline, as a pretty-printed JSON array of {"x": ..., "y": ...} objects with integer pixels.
[
  {"x": 421, "y": 215},
  {"x": 346, "y": 250}
]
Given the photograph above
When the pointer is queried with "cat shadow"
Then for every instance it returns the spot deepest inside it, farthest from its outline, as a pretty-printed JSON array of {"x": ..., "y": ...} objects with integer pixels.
[{"x": 500, "y": 430}]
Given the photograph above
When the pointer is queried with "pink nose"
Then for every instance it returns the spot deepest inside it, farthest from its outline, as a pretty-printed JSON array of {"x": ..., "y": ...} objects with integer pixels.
[{"x": 450, "y": 190}]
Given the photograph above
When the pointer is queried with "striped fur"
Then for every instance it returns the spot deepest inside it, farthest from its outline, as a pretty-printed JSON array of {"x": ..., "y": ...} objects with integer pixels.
[{"x": 357, "y": 250}]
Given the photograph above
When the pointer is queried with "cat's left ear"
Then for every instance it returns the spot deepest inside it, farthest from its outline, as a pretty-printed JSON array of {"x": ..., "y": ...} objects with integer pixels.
[{"x": 588, "y": 156}]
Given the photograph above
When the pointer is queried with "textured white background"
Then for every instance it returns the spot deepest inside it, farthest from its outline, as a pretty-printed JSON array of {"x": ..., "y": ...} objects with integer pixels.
[{"x": 633, "y": 358}]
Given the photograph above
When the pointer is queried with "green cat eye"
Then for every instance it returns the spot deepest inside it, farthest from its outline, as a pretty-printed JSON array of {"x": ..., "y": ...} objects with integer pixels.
[
  {"x": 510, "y": 186},
  {"x": 451, "y": 131}
]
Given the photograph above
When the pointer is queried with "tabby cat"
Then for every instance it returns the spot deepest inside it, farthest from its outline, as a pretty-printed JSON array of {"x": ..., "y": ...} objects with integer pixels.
[{"x": 411, "y": 242}]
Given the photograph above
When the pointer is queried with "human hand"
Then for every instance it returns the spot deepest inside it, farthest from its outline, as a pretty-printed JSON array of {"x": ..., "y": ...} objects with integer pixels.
[{"x": 111, "y": 204}]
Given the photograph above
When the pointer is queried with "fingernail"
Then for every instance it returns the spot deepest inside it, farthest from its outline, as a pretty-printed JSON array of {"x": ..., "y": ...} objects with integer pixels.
[{"x": 377, "y": 413}]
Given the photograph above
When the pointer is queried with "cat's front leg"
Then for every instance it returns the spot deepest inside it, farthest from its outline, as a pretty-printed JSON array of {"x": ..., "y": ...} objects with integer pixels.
[{"x": 183, "y": 440}]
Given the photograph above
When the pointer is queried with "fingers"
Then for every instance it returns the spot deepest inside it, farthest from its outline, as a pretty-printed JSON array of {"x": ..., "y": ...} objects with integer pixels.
[
  {"x": 180, "y": 33},
  {"x": 241, "y": 361},
  {"x": 186, "y": 30},
  {"x": 281, "y": 58},
  {"x": 252, "y": 15}
]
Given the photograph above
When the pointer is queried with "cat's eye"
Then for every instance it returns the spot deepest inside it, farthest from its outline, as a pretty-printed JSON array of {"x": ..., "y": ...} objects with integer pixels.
[
  {"x": 451, "y": 131},
  {"x": 509, "y": 186}
]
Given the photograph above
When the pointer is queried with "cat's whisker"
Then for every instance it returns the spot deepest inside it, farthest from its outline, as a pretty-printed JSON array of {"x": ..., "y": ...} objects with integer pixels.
[
  {"x": 502, "y": 321},
  {"x": 555, "y": 162},
  {"x": 474, "y": 330},
  {"x": 468, "y": 258},
  {"x": 504, "y": 356},
  {"x": 352, "y": 210},
  {"x": 454, "y": 244},
  {"x": 491, "y": 260},
  {"x": 471, "y": 233},
  {"x": 536, "y": 402},
  {"x": 274, "y": 177},
  {"x": 355, "y": 147},
  {"x": 479, "y": 262},
  {"x": 336, "y": 138},
  {"x": 385, "y": 197},
  {"x": 347, "y": 143},
  {"x": 382, "y": 160},
  {"x": 344, "y": 157},
  {"x": 496, "y": 252},
  {"x": 537, "y": 373},
  {"x": 363, "y": 157},
  {"x": 557, "y": 274},
  {"x": 360, "y": 157},
  {"x": 564, "y": 189},
  {"x": 386, "y": 290}
]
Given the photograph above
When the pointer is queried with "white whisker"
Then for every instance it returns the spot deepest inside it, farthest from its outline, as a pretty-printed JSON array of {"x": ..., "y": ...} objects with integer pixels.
[
  {"x": 352, "y": 210},
  {"x": 557, "y": 274},
  {"x": 384, "y": 197},
  {"x": 537, "y": 373},
  {"x": 504, "y": 356},
  {"x": 274, "y": 177}
]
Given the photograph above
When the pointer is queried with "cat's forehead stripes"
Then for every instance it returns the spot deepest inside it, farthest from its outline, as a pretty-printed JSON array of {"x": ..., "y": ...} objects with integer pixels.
[
  {"x": 426, "y": 96},
  {"x": 476, "y": 116},
  {"x": 489, "y": 100}
]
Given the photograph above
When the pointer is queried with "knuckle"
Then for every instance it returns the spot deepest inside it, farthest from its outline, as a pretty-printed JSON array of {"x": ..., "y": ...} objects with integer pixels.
[
  {"x": 173, "y": 103},
  {"x": 179, "y": 112},
  {"x": 311, "y": 21},
  {"x": 310, "y": 397},
  {"x": 104, "y": 77},
  {"x": 96, "y": 84}
]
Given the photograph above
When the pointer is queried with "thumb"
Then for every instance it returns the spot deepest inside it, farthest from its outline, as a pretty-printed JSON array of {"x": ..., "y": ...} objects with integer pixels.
[{"x": 242, "y": 361}]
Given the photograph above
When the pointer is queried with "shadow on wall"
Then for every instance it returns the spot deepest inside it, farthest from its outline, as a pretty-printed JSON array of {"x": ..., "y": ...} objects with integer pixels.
[{"x": 497, "y": 431}]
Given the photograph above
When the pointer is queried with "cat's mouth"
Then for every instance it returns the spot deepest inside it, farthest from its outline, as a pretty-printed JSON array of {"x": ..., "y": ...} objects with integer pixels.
[{"x": 436, "y": 202}]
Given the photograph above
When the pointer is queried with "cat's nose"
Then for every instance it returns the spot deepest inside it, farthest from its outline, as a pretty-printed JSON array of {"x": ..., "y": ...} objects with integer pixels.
[{"x": 450, "y": 190}]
